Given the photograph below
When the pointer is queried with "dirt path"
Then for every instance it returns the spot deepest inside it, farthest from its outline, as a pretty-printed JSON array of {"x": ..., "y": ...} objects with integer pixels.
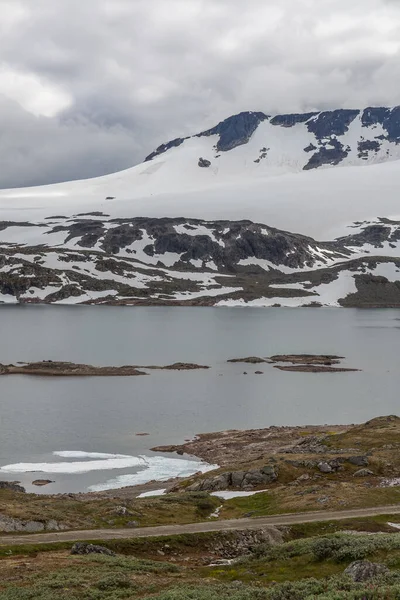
[{"x": 234, "y": 524}]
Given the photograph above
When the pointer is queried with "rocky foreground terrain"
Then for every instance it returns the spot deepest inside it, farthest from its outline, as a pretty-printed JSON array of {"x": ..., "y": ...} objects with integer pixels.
[{"x": 292, "y": 469}]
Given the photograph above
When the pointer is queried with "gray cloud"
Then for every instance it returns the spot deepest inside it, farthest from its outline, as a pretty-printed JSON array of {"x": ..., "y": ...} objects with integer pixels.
[{"x": 91, "y": 86}]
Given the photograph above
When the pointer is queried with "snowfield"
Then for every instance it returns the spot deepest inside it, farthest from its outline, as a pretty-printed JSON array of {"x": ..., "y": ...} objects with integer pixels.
[{"x": 169, "y": 230}]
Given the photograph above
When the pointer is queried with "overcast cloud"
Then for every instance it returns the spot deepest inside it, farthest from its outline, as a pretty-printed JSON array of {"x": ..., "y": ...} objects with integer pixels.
[{"x": 88, "y": 87}]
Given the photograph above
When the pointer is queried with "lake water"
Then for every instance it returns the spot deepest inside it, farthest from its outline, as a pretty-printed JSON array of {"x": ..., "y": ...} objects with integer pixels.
[{"x": 92, "y": 422}]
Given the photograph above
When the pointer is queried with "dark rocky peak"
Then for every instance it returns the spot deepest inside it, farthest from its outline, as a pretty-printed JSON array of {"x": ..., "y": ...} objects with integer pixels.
[
  {"x": 235, "y": 130},
  {"x": 332, "y": 122},
  {"x": 389, "y": 118},
  {"x": 374, "y": 115},
  {"x": 290, "y": 120},
  {"x": 372, "y": 233},
  {"x": 164, "y": 147},
  {"x": 330, "y": 154}
]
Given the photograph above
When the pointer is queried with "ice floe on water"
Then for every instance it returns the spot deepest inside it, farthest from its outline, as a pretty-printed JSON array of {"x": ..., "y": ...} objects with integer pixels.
[
  {"x": 158, "y": 468},
  {"x": 99, "y": 463},
  {"x": 80, "y": 454},
  {"x": 147, "y": 468}
]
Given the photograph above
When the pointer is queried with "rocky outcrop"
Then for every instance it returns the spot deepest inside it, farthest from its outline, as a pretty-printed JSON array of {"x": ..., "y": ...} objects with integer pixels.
[
  {"x": 52, "y": 368},
  {"x": 363, "y": 570},
  {"x": 307, "y": 359},
  {"x": 164, "y": 147},
  {"x": 82, "y": 548},
  {"x": 236, "y": 130},
  {"x": 239, "y": 543},
  {"x": 204, "y": 163},
  {"x": 309, "y": 363},
  {"x": 62, "y": 369},
  {"x": 253, "y": 360},
  {"x": 42, "y": 482},
  {"x": 13, "y": 486},
  {"x": 10, "y": 525},
  {"x": 313, "y": 369},
  {"x": 245, "y": 480}
]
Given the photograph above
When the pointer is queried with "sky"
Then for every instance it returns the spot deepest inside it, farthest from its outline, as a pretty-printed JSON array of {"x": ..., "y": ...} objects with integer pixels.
[{"x": 89, "y": 87}]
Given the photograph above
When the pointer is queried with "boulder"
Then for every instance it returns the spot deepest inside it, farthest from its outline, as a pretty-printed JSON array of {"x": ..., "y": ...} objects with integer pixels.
[
  {"x": 252, "y": 479},
  {"x": 221, "y": 482},
  {"x": 270, "y": 473},
  {"x": 203, "y": 162},
  {"x": 362, "y": 570},
  {"x": 83, "y": 548},
  {"x": 236, "y": 479},
  {"x": 363, "y": 473},
  {"x": 121, "y": 511},
  {"x": 359, "y": 461},
  {"x": 324, "y": 467}
]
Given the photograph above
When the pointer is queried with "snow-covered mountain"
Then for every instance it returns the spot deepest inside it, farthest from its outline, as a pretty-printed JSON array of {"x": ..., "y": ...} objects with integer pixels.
[{"x": 206, "y": 220}]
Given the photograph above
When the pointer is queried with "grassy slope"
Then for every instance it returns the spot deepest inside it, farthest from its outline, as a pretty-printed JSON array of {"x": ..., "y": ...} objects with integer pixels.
[{"x": 289, "y": 571}]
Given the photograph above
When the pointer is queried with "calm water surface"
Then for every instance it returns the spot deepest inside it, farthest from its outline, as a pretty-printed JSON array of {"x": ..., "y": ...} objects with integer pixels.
[{"x": 40, "y": 416}]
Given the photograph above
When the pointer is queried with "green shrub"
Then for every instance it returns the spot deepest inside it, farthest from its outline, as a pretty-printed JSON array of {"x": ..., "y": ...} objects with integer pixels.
[{"x": 325, "y": 548}]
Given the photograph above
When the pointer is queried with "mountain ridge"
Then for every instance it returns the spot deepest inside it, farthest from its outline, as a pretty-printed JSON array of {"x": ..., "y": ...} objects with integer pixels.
[
  {"x": 229, "y": 217},
  {"x": 326, "y": 126}
]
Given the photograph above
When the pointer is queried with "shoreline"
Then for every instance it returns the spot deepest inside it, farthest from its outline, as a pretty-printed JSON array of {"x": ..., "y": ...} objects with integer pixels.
[{"x": 212, "y": 448}]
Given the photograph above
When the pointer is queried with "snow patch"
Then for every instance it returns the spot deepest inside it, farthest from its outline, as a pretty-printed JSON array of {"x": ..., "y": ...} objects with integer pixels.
[
  {"x": 228, "y": 495},
  {"x": 152, "y": 493}
]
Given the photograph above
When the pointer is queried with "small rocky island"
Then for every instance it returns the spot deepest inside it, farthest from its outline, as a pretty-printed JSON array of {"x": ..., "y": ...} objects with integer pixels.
[
  {"x": 308, "y": 363},
  {"x": 60, "y": 368},
  {"x": 311, "y": 363}
]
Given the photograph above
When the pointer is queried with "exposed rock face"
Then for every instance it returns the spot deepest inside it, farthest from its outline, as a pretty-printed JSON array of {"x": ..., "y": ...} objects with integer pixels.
[
  {"x": 363, "y": 570},
  {"x": 326, "y": 130},
  {"x": 10, "y": 525},
  {"x": 203, "y": 162},
  {"x": 13, "y": 486},
  {"x": 164, "y": 147},
  {"x": 83, "y": 548},
  {"x": 144, "y": 261},
  {"x": 240, "y": 543},
  {"x": 245, "y": 480},
  {"x": 291, "y": 119},
  {"x": 328, "y": 155},
  {"x": 236, "y": 130},
  {"x": 331, "y": 122}
]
